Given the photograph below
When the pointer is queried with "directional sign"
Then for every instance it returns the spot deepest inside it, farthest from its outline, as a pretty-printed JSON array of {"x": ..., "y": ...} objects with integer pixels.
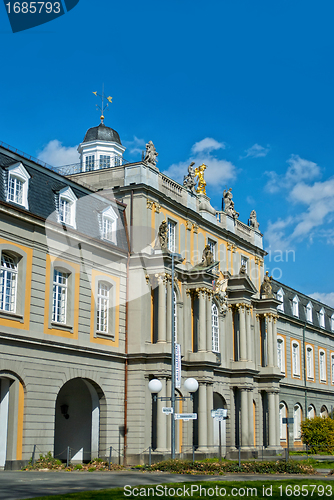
[
  {"x": 177, "y": 366},
  {"x": 167, "y": 409},
  {"x": 185, "y": 416},
  {"x": 219, "y": 414}
]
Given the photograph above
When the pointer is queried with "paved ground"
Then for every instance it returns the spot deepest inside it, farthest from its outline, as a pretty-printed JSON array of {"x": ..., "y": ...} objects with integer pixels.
[{"x": 15, "y": 485}]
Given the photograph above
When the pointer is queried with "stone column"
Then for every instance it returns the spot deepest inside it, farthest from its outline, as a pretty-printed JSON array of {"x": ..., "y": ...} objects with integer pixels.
[
  {"x": 202, "y": 322},
  {"x": 186, "y": 317},
  {"x": 270, "y": 341},
  {"x": 231, "y": 421},
  {"x": 161, "y": 311},
  {"x": 278, "y": 440},
  {"x": 209, "y": 404},
  {"x": 243, "y": 340},
  {"x": 251, "y": 418},
  {"x": 169, "y": 312},
  {"x": 161, "y": 420},
  {"x": 250, "y": 340},
  {"x": 244, "y": 417},
  {"x": 275, "y": 341},
  {"x": 202, "y": 418},
  {"x": 272, "y": 418},
  {"x": 208, "y": 323}
]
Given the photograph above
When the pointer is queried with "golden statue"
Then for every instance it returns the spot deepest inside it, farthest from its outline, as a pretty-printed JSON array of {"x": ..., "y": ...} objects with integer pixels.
[{"x": 199, "y": 172}]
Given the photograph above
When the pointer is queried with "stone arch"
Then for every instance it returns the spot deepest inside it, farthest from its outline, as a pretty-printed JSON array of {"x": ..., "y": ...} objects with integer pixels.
[
  {"x": 80, "y": 416},
  {"x": 324, "y": 411},
  {"x": 219, "y": 402}
]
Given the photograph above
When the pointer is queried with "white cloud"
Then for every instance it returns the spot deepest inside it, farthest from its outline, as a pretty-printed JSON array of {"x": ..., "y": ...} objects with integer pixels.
[
  {"x": 326, "y": 298},
  {"x": 217, "y": 173},
  {"x": 57, "y": 155},
  {"x": 299, "y": 170},
  {"x": 257, "y": 151},
  {"x": 136, "y": 146},
  {"x": 275, "y": 235},
  {"x": 208, "y": 144}
]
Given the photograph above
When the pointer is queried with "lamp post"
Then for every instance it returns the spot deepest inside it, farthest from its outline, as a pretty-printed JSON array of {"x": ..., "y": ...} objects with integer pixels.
[{"x": 155, "y": 386}]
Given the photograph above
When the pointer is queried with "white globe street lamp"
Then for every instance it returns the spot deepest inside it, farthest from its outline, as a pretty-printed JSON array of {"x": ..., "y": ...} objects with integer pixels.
[
  {"x": 154, "y": 386},
  {"x": 191, "y": 385}
]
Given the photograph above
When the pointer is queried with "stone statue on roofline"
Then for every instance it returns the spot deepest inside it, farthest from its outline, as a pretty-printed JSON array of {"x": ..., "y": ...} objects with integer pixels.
[
  {"x": 252, "y": 221},
  {"x": 228, "y": 204},
  {"x": 189, "y": 180},
  {"x": 266, "y": 288},
  {"x": 162, "y": 238},
  {"x": 151, "y": 154}
]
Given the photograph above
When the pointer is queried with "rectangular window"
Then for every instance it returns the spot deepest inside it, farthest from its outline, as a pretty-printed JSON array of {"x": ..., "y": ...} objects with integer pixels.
[
  {"x": 244, "y": 262},
  {"x": 65, "y": 213},
  {"x": 104, "y": 161},
  {"x": 15, "y": 190},
  {"x": 8, "y": 283},
  {"x": 295, "y": 359},
  {"x": 309, "y": 363},
  {"x": 215, "y": 329},
  {"x": 108, "y": 229},
  {"x": 59, "y": 305},
  {"x": 212, "y": 245},
  {"x": 280, "y": 355},
  {"x": 332, "y": 367},
  {"x": 90, "y": 161},
  {"x": 171, "y": 236},
  {"x": 322, "y": 366},
  {"x": 102, "y": 316}
]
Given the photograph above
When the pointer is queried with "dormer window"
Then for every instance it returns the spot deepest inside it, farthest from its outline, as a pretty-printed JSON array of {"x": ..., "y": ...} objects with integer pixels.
[
  {"x": 295, "y": 306},
  {"x": 322, "y": 318},
  {"x": 280, "y": 297},
  {"x": 17, "y": 187},
  {"x": 332, "y": 322},
  {"x": 104, "y": 161},
  {"x": 109, "y": 225},
  {"x": 67, "y": 206},
  {"x": 309, "y": 312}
]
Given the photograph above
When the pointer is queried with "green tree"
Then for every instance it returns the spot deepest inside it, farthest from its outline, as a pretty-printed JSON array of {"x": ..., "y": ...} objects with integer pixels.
[{"x": 318, "y": 434}]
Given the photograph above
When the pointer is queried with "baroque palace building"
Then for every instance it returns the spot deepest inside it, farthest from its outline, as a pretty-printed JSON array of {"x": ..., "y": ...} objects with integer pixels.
[{"x": 88, "y": 315}]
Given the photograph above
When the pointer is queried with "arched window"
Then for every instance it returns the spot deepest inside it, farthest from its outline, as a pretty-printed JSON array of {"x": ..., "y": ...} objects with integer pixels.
[
  {"x": 322, "y": 318},
  {"x": 310, "y": 412},
  {"x": 215, "y": 328},
  {"x": 280, "y": 354},
  {"x": 295, "y": 359},
  {"x": 297, "y": 416},
  {"x": 309, "y": 363},
  {"x": 103, "y": 305},
  {"x": 8, "y": 283},
  {"x": 282, "y": 414},
  {"x": 280, "y": 297},
  {"x": 322, "y": 366},
  {"x": 323, "y": 411},
  {"x": 332, "y": 367}
]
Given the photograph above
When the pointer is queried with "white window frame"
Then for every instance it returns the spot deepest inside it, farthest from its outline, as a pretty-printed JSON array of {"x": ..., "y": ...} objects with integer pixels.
[
  {"x": 16, "y": 173},
  {"x": 297, "y": 416},
  {"x": 212, "y": 244},
  {"x": 105, "y": 161},
  {"x": 280, "y": 297},
  {"x": 309, "y": 314},
  {"x": 332, "y": 322},
  {"x": 281, "y": 354},
  {"x": 89, "y": 163},
  {"x": 171, "y": 238},
  {"x": 322, "y": 366},
  {"x": 295, "y": 358},
  {"x": 244, "y": 260},
  {"x": 66, "y": 196},
  {"x": 295, "y": 306},
  {"x": 103, "y": 307},
  {"x": 310, "y": 412},
  {"x": 215, "y": 327},
  {"x": 109, "y": 220},
  {"x": 8, "y": 283},
  {"x": 322, "y": 318},
  {"x": 309, "y": 362},
  {"x": 332, "y": 368},
  {"x": 59, "y": 296},
  {"x": 283, "y": 427}
]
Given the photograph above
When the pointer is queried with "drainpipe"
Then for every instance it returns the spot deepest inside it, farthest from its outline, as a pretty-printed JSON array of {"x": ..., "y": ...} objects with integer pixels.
[{"x": 304, "y": 369}]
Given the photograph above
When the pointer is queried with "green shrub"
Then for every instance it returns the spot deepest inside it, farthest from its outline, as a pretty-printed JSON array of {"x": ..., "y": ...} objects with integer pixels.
[
  {"x": 78, "y": 467},
  {"x": 91, "y": 469},
  {"x": 44, "y": 462},
  {"x": 318, "y": 434}
]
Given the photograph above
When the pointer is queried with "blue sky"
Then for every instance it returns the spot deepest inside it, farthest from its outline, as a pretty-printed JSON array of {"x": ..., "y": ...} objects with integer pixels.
[{"x": 246, "y": 86}]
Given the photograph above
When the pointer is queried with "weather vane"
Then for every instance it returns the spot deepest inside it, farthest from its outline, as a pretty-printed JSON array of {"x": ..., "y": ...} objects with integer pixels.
[{"x": 103, "y": 106}]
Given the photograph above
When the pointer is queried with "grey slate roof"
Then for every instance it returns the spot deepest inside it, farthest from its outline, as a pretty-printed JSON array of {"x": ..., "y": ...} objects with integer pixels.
[
  {"x": 43, "y": 192},
  {"x": 102, "y": 133},
  {"x": 290, "y": 293}
]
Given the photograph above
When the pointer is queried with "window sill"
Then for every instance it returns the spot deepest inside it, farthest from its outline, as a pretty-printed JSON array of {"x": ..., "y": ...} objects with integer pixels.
[
  {"x": 11, "y": 315},
  {"x": 61, "y": 326},
  {"x": 104, "y": 335}
]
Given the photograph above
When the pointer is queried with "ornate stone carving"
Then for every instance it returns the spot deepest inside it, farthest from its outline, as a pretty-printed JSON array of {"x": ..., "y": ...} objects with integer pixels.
[
  {"x": 149, "y": 204},
  {"x": 189, "y": 225},
  {"x": 157, "y": 207},
  {"x": 228, "y": 204},
  {"x": 266, "y": 288},
  {"x": 162, "y": 239},
  {"x": 207, "y": 257},
  {"x": 189, "y": 180},
  {"x": 151, "y": 154},
  {"x": 199, "y": 171},
  {"x": 220, "y": 295},
  {"x": 252, "y": 221},
  {"x": 195, "y": 227},
  {"x": 243, "y": 269}
]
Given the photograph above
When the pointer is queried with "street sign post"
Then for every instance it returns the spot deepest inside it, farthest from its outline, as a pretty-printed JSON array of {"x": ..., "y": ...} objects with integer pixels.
[
  {"x": 185, "y": 416},
  {"x": 167, "y": 410},
  {"x": 219, "y": 415}
]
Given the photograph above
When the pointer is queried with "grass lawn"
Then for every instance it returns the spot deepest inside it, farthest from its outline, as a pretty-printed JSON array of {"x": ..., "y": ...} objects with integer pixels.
[{"x": 281, "y": 489}]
